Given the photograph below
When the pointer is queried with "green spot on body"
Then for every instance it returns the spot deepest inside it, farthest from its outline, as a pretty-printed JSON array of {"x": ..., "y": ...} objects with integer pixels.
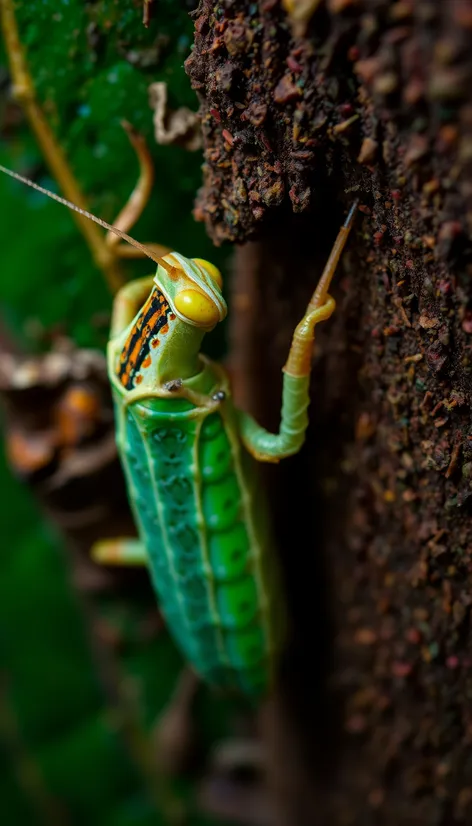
[
  {"x": 221, "y": 503},
  {"x": 237, "y": 602},
  {"x": 229, "y": 552},
  {"x": 246, "y": 648},
  {"x": 216, "y": 457},
  {"x": 211, "y": 426}
]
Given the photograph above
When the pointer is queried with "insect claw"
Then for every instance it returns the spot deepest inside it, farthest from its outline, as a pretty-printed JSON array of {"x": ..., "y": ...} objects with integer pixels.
[{"x": 350, "y": 215}]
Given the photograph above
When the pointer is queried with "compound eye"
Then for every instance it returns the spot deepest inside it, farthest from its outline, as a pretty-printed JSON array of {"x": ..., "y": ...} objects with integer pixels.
[
  {"x": 212, "y": 271},
  {"x": 197, "y": 308}
]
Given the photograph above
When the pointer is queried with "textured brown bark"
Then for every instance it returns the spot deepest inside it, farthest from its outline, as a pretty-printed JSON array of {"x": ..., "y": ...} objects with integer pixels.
[{"x": 373, "y": 517}]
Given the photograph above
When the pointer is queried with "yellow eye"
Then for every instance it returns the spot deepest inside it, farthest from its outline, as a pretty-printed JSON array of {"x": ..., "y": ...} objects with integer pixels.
[
  {"x": 197, "y": 308},
  {"x": 212, "y": 271}
]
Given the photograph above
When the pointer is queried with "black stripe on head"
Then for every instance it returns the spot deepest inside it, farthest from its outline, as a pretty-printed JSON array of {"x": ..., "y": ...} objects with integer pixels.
[{"x": 152, "y": 318}]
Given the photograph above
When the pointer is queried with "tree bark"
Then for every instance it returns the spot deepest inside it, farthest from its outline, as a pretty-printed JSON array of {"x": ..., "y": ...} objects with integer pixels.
[{"x": 373, "y": 517}]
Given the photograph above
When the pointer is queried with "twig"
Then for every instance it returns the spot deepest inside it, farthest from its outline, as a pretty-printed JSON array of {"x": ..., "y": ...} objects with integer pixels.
[{"x": 24, "y": 93}]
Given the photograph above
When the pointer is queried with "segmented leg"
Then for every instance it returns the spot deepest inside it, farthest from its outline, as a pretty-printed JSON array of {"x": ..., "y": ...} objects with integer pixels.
[
  {"x": 271, "y": 447},
  {"x": 320, "y": 307},
  {"x": 119, "y": 552},
  {"x": 128, "y": 302}
]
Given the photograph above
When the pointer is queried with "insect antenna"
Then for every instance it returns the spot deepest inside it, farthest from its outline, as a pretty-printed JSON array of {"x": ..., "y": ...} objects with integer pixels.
[
  {"x": 319, "y": 296},
  {"x": 89, "y": 215}
]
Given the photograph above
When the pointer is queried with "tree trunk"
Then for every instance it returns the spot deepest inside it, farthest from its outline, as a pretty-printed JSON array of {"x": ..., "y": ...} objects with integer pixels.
[{"x": 372, "y": 100}]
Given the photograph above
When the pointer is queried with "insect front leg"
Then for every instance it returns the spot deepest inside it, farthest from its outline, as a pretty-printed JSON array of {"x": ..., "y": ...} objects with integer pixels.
[
  {"x": 128, "y": 301},
  {"x": 271, "y": 447}
]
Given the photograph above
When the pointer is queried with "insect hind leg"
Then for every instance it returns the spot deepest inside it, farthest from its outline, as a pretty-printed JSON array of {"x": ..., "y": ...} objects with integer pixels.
[{"x": 119, "y": 552}]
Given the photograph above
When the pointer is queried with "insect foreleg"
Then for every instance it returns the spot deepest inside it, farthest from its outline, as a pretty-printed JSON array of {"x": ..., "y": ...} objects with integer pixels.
[
  {"x": 271, "y": 447},
  {"x": 128, "y": 301}
]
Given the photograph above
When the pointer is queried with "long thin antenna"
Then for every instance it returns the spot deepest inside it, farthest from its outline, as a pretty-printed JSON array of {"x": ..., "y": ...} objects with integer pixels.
[
  {"x": 89, "y": 215},
  {"x": 319, "y": 296}
]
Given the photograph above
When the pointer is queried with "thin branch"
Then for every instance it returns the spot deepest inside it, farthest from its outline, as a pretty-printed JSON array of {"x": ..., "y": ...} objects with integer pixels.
[{"x": 24, "y": 93}]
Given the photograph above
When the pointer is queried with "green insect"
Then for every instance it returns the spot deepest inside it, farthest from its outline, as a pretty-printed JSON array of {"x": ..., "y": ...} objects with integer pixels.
[{"x": 190, "y": 460}]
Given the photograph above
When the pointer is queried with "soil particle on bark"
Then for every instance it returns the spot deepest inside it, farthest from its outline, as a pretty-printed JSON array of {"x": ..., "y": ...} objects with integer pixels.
[{"x": 375, "y": 101}]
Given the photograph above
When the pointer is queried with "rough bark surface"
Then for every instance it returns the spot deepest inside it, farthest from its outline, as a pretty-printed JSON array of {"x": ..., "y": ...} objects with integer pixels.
[{"x": 375, "y": 515}]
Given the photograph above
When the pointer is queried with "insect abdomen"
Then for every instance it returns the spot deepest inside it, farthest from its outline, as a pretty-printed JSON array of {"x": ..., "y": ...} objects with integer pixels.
[
  {"x": 237, "y": 551},
  {"x": 207, "y": 556}
]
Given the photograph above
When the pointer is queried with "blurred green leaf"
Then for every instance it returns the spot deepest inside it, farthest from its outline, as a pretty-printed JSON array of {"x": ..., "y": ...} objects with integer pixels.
[{"x": 92, "y": 63}]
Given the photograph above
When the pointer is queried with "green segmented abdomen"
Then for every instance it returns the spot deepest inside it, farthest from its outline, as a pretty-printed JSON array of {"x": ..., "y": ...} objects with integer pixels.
[{"x": 207, "y": 540}]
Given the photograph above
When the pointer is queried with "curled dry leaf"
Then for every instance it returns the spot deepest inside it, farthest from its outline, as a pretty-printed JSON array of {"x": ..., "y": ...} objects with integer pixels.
[{"x": 181, "y": 127}]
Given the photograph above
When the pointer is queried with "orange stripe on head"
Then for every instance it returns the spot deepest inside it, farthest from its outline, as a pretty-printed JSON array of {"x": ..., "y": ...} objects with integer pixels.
[
  {"x": 135, "y": 329},
  {"x": 131, "y": 363}
]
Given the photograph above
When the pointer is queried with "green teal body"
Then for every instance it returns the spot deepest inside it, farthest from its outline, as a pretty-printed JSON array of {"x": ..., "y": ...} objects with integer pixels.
[
  {"x": 201, "y": 516},
  {"x": 204, "y": 523}
]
